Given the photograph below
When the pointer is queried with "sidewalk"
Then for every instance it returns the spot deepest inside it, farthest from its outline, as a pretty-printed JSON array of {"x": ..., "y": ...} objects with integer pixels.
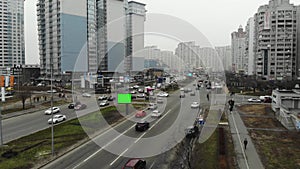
[{"x": 246, "y": 159}]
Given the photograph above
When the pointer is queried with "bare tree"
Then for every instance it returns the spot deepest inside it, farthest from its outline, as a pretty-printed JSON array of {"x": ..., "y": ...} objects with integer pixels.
[{"x": 23, "y": 95}]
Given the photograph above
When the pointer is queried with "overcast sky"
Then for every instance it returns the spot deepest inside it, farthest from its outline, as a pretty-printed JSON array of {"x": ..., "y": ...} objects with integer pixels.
[{"x": 215, "y": 19}]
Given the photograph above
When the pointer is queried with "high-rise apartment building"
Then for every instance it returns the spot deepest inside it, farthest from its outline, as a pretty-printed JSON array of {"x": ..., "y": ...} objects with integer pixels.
[
  {"x": 12, "y": 47},
  {"x": 249, "y": 49},
  {"x": 67, "y": 36},
  {"x": 224, "y": 53},
  {"x": 189, "y": 53},
  {"x": 239, "y": 62},
  {"x": 136, "y": 16},
  {"x": 277, "y": 31}
]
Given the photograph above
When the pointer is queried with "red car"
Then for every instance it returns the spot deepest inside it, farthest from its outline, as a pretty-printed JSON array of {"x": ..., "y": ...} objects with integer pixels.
[
  {"x": 135, "y": 163},
  {"x": 140, "y": 113}
]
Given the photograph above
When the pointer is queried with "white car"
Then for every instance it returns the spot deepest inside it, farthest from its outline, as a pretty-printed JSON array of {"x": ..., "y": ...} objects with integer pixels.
[
  {"x": 141, "y": 95},
  {"x": 253, "y": 100},
  {"x": 156, "y": 114},
  {"x": 54, "y": 109},
  {"x": 136, "y": 86},
  {"x": 57, "y": 118},
  {"x": 195, "y": 105},
  {"x": 86, "y": 95},
  {"x": 133, "y": 92},
  {"x": 103, "y": 97},
  {"x": 163, "y": 94},
  {"x": 104, "y": 103},
  {"x": 152, "y": 106}
]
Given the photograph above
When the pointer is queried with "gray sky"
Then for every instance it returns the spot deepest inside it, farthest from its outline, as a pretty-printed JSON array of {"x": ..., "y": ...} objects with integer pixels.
[{"x": 215, "y": 19}]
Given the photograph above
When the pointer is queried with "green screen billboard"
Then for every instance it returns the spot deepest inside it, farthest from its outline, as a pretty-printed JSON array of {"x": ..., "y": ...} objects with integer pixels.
[{"x": 124, "y": 98}]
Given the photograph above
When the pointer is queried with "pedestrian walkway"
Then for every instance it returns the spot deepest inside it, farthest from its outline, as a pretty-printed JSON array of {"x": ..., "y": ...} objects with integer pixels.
[{"x": 246, "y": 158}]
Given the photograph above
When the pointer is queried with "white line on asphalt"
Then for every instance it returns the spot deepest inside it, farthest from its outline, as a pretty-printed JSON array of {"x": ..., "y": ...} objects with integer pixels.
[
  {"x": 240, "y": 141},
  {"x": 119, "y": 156},
  {"x": 138, "y": 138},
  {"x": 152, "y": 165}
]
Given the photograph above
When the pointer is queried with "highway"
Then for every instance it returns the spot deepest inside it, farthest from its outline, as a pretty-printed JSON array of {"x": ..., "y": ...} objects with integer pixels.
[
  {"x": 113, "y": 147},
  {"x": 23, "y": 125}
]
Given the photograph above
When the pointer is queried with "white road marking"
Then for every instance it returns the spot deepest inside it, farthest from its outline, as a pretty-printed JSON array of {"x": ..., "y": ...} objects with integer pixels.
[
  {"x": 152, "y": 165},
  {"x": 119, "y": 156}
]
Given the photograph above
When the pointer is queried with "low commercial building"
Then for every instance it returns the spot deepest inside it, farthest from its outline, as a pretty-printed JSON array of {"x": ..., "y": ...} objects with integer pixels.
[{"x": 286, "y": 105}]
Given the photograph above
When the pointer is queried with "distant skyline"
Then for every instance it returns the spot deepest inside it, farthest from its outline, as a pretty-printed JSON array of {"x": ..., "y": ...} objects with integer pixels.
[{"x": 214, "y": 18}]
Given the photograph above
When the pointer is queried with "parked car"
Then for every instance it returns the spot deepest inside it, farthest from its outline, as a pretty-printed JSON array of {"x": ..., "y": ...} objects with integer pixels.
[
  {"x": 86, "y": 95},
  {"x": 195, "y": 105},
  {"x": 191, "y": 131},
  {"x": 111, "y": 98},
  {"x": 52, "y": 91},
  {"x": 140, "y": 114},
  {"x": 253, "y": 100},
  {"x": 80, "y": 107},
  {"x": 54, "y": 110},
  {"x": 135, "y": 163},
  {"x": 163, "y": 94},
  {"x": 142, "y": 126},
  {"x": 156, "y": 114},
  {"x": 136, "y": 86},
  {"x": 103, "y": 103},
  {"x": 57, "y": 118},
  {"x": 141, "y": 91},
  {"x": 103, "y": 97},
  {"x": 141, "y": 95}
]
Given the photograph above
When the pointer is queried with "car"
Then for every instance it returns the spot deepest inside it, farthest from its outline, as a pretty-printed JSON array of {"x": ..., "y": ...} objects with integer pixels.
[
  {"x": 182, "y": 95},
  {"x": 253, "y": 100},
  {"x": 80, "y": 107},
  {"x": 191, "y": 131},
  {"x": 57, "y": 118},
  {"x": 133, "y": 92},
  {"x": 141, "y": 95},
  {"x": 54, "y": 110},
  {"x": 156, "y": 114},
  {"x": 142, "y": 126},
  {"x": 103, "y": 103},
  {"x": 86, "y": 95},
  {"x": 103, "y": 97},
  {"x": 192, "y": 94},
  {"x": 111, "y": 98},
  {"x": 152, "y": 106},
  {"x": 160, "y": 101},
  {"x": 195, "y": 105},
  {"x": 72, "y": 105},
  {"x": 135, "y": 163},
  {"x": 136, "y": 86},
  {"x": 140, "y": 114},
  {"x": 189, "y": 89},
  {"x": 52, "y": 91},
  {"x": 181, "y": 89},
  {"x": 163, "y": 94}
]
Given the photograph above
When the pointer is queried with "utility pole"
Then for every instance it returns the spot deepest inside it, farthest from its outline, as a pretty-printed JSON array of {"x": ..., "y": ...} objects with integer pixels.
[{"x": 52, "y": 124}]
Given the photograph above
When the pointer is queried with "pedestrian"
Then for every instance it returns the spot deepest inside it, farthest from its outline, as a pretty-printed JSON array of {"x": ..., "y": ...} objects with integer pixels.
[
  {"x": 207, "y": 96},
  {"x": 245, "y": 143}
]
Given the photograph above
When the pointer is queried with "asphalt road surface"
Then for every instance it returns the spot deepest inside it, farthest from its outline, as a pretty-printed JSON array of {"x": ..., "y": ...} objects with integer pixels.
[{"x": 113, "y": 147}]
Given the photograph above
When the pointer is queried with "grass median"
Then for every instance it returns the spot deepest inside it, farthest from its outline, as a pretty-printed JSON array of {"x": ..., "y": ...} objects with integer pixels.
[{"x": 35, "y": 149}]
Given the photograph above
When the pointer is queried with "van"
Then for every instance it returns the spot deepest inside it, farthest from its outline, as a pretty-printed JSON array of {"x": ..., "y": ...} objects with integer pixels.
[{"x": 135, "y": 163}]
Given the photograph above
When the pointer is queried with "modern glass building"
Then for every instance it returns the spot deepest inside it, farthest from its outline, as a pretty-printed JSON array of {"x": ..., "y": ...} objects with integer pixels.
[
  {"x": 67, "y": 36},
  {"x": 12, "y": 47}
]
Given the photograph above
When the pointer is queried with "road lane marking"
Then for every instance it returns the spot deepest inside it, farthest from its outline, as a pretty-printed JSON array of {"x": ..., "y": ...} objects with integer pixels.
[
  {"x": 240, "y": 141},
  {"x": 159, "y": 119},
  {"x": 138, "y": 139},
  {"x": 119, "y": 156}
]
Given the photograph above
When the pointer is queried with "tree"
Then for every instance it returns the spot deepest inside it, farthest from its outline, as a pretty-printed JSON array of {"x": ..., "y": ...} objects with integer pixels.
[{"x": 23, "y": 95}]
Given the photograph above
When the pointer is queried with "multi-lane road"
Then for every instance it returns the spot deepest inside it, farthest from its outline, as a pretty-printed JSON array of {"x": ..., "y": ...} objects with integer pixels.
[{"x": 113, "y": 147}]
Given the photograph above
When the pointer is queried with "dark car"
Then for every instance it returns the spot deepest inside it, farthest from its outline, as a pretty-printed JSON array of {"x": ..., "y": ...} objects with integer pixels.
[
  {"x": 111, "y": 98},
  {"x": 191, "y": 131},
  {"x": 142, "y": 126},
  {"x": 72, "y": 105},
  {"x": 135, "y": 163}
]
